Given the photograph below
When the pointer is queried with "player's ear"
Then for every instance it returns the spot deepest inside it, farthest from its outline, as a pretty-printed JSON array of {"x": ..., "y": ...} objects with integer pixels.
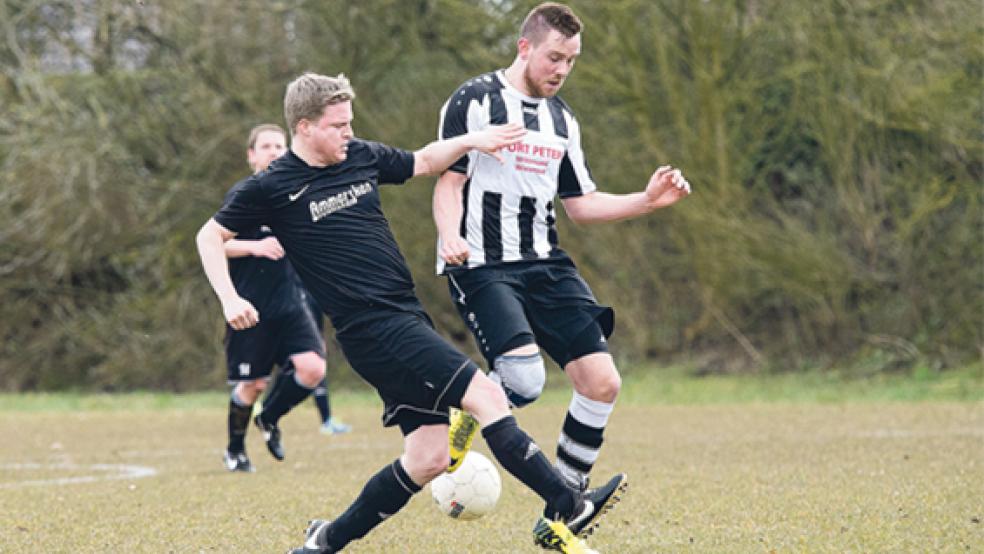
[
  {"x": 523, "y": 48},
  {"x": 302, "y": 127}
]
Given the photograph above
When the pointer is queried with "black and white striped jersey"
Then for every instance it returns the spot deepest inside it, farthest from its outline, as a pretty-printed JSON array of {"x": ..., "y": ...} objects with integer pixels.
[{"x": 508, "y": 208}]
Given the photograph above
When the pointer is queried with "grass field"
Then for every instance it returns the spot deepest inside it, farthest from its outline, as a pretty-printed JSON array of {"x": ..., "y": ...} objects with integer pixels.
[{"x": 721, "y": 465}]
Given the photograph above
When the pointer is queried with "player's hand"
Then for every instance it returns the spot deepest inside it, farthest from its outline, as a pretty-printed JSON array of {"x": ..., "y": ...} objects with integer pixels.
[
  {"x": 239, "y": 313},
  {"x": 666, "y": 186},
  {"x": 268, "y": 248},
  {"x": 495, "y": 137},
  {"x": 454, "y": 251}
]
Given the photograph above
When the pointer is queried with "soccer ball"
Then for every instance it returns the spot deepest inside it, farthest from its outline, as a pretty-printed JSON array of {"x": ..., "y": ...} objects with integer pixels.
[{"x": 471, "y": 491}]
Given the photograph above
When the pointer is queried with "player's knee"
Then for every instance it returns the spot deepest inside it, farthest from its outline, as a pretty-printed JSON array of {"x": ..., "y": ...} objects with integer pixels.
[
  {"x": 521, "y": 376},
  {"x": 310, "y": 368},
  {"x": 484, "y": 398},
  {"x": 610, "y": 386},
  {"x": 603, "y": 386},
  {"x": 249, "y": 391},
  {"x": 426, "y": 465},
  {"x": 312, "y": 376}
]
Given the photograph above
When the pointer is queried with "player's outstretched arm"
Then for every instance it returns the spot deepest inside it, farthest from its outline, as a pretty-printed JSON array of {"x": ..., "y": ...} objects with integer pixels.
[
  {"x": 211, "y": 238},
  {"x": 666, "y": 186},
  {"x": 439, "y": 155}
]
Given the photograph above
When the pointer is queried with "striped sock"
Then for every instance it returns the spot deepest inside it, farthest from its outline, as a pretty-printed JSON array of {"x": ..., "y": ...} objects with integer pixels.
[{"x": 581, "y": 438}]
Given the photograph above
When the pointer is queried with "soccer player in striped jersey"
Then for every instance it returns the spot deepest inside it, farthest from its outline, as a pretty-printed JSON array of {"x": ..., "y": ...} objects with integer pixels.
[{"x": 517, "y": 291}]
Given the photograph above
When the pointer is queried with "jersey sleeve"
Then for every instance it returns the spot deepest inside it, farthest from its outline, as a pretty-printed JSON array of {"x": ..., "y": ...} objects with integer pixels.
[
  {"x": 395, "y": 165},
  {"x": 575, "y": 176},
  {"x": 454, "y": 122},
  {"x": 245, "y": 207}
]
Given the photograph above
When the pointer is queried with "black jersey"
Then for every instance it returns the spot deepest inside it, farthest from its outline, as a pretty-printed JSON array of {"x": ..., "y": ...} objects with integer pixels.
[
  {"x": 270, "y": 285},
  {"x": 312, "y": 305},
  {"x": 331, "y": 224}
]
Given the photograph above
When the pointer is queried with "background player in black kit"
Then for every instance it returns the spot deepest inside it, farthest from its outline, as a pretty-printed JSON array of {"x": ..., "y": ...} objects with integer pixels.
[
  {"x": 288, "y": 336},
  {"x": 321, "y": 200},
  {"x": 517, "y": 291}
]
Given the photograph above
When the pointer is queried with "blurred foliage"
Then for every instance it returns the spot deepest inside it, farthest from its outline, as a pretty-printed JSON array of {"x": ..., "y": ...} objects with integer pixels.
[{"x": 835, "y": 149}]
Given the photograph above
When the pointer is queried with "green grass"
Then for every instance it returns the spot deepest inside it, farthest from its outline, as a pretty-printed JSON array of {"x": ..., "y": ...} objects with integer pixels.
[
  {"x": 676, "y": 386},
  {"x": 137, "y": 400},
  {"x": 645, "y": 385},
  {"x": 750, "y": 464}
]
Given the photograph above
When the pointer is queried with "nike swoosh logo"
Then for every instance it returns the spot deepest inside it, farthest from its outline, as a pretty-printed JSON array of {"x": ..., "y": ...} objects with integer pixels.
[
  {"x": 312, "y": 544},
  {"x": 586, "y": 513},
  {"x": 312, "y": 541},
  {"x": 298, "y": 194}
]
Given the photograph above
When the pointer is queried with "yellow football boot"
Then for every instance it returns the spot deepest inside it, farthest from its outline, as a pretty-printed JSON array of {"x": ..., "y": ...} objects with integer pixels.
[{"x": 461, "y": 433}]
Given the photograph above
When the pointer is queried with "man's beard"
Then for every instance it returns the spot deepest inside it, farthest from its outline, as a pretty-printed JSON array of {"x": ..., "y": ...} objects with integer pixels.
[{"x": 535, "y": 89}]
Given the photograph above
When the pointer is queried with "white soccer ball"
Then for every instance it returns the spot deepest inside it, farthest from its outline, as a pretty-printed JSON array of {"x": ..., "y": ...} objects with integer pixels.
[{"x": 471, "y": 491}]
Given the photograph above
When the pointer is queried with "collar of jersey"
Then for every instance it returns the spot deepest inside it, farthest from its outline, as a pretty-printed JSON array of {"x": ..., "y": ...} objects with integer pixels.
[{"x": 303, "y": 165}]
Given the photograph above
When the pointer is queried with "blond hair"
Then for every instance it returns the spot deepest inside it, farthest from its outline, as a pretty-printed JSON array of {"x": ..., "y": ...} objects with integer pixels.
[
  {"x": 255, "y": 133},
  {"x": 547, "y": 16},
  {"x": 308, "y": 95}
]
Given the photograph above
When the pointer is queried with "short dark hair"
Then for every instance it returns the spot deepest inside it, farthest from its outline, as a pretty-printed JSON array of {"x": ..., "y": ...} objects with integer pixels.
[{"x": 546, "y": 16}]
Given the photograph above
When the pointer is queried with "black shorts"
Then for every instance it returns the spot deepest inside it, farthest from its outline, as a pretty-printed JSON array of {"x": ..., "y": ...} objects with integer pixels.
[
  {"x": 416, "y": 372},
  {"x": 546, "y": 302},
  {"x": 251, "y": 353}
]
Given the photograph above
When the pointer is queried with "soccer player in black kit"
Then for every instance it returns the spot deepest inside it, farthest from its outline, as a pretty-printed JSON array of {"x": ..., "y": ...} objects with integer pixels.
[
  {"x": 321, "y": 200},
  {"x": 288, "y": 337}
]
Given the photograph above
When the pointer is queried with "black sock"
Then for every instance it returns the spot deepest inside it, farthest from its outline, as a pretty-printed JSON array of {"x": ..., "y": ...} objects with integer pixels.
[
  {"x": 238, "y": 423},
  {"x": 519, "y": 455},
  {"x": 384, "y": 494},
  {"x": 321, "y": 400},
  {"x": 286, "y": 394}
]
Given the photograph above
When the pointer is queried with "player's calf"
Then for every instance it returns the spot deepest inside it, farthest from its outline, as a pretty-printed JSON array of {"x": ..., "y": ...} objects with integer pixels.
[{"x": 385, "y": 494}]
